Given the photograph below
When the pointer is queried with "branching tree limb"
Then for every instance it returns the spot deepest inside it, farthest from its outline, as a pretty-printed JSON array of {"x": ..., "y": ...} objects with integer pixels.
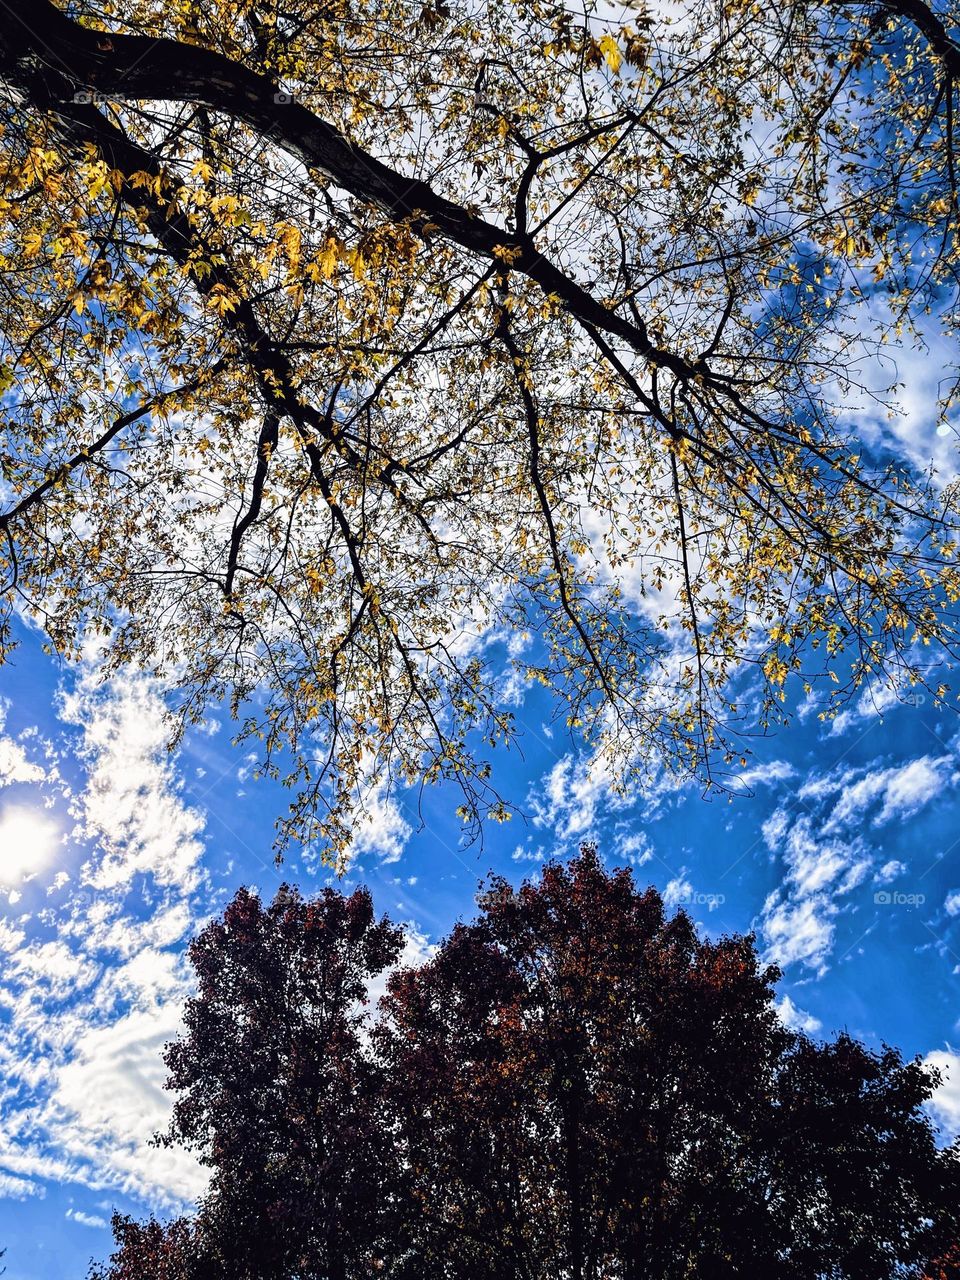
[{"x": 333, "y": 343}]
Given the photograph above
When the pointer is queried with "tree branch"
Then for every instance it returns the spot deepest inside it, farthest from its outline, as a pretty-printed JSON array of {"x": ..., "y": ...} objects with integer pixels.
[
  {"x": 42, "y": 48},
  {"x": 89, "y": 451},
  {"x": 269, "y": 434}
]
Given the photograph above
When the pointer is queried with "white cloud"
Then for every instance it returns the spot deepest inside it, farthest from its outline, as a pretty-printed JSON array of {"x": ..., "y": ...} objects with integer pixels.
[
  {"x": 763, "y": 774},
  {"x": 818, "y": 786},
  {"x": 15, "y": 1188},
  {"x": 814, "y": 864},
  {"x": 246, "y": 770},
  {"x": 678, "y": 892},
  {"x": 108, "y": 1101},
  {"x": 797, "y": 1019},
  {"x": 952, "y": 903},
  {"x": 85, "y": 1219},
  {"x": 877, "y": 699},
  {"x": 799, "y": 932},
  {"x": 909, "y": 787},
  {"x": 901, "y": 790},
  {"x": 15, "y": 763},
  {"x": 920, "y": 371},
  {"x": 92, "y": 986},
  {"x": 51, "y": 969},
  {"x": 857, "y": 795},
  {"x": 131, "y": 806},
  {"x": 635, "y": 849},
  {"x": 10, "y": 937},
  {"x": 890, "y": 870},
  {"x": 84, "y": 1063},
  {"x": 798, "y": 919},
  {"x": 775, "y": 828},
  {"x": 945, "y": 1104},
  {"x": 15, "y": 766},
  {"x": 826, "y": 855},
  {"x": 570, "y": 796},
  {"x": 522, "y": 854},
  {"x": 381, "y": 828}
]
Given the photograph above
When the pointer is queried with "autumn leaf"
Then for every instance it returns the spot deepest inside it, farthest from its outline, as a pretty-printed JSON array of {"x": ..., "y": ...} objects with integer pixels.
[{"x": 612, "y": 54}]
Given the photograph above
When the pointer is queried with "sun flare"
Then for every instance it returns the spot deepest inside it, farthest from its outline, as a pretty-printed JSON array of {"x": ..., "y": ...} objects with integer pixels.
[{"x": 27, "y": 841}]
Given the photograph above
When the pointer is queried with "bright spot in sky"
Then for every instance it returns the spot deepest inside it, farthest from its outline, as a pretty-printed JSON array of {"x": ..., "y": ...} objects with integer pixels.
[
  {"x": 27, "y": 839},
  {"x": 944, "y": 429}
]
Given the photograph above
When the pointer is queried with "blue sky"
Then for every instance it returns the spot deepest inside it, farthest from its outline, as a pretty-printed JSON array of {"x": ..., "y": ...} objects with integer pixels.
[
  {"x": 843, "y": 855},
  {"x": 112, "y": 853}
]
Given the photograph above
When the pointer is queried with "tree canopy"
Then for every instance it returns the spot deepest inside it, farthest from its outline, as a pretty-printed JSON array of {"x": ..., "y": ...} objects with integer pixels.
[
  {"x": 342, "y": 343},
  {"x": 572, "y": 1085}
]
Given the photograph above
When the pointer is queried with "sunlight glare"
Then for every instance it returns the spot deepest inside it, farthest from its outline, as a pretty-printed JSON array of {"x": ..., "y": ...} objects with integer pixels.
[{"x": 27, "y": 840}]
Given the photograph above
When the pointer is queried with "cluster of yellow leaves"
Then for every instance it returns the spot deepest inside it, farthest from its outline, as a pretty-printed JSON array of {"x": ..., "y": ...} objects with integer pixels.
[{"x": 407, "y": 497}]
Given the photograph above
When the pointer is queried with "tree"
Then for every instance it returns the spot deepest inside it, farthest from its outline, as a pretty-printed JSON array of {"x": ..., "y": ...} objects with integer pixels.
[
  {"x": 572, "y": 1085},
  {"x": 946, "y": 1267},
  {"x": 334, "y": 337},
  {"x": 277, "y": 1096},
  {"x": 172, "y": 1251}
]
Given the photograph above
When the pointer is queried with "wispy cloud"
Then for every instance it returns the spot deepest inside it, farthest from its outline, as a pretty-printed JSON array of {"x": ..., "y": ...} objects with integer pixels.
[
  {"x": 573, "y": 794},
  {"x": 94, "y": 979},
  {"x": 797, "y": 1019},
  {"x": 14, "y": 1188},
  {"x": 131, "y": 806},
  {"x": 822, "y": 835},
  {"x": 85, "y": 1219}
]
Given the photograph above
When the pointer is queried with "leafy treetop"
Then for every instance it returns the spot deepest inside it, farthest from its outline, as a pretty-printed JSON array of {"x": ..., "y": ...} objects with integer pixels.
[
  {"x": 341, "y": 341},
  {"x": 572, "y": 1085}
]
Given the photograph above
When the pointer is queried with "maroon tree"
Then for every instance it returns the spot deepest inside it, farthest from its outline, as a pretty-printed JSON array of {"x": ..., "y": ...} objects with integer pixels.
[
  {"x": 278, "y": 1096},
  {"x": 572, "y": 1086},
  {"x": 171, "y": 1251},
  {"x": 588, "y": 1089}
]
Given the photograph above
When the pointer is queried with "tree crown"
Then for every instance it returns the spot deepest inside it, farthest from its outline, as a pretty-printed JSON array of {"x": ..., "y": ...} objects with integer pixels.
[
  {"x": 339, "y": 345},
  {"x": 573, "y": 1084}
]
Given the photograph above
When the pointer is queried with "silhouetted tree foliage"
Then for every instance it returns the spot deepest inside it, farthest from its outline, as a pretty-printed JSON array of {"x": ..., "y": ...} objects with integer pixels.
[
  {"x": 574, "y": 1085},
  {"x": 946, "y": 1267},
  {"x": 335, "y": 334}
]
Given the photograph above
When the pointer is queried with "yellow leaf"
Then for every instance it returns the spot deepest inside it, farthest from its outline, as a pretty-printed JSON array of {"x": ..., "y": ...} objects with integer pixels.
[
  {"x": 220, "y": 301},
  {"x": 611, "y": 53},
  {"x": 330, "y": 256}
]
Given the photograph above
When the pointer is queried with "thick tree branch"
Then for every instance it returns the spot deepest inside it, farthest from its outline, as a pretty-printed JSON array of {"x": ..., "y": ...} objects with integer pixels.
[
  {"x": 269, "y": 434},
  {"x": 926, "y": 21},
  {"x": 39, "y": 44}
]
